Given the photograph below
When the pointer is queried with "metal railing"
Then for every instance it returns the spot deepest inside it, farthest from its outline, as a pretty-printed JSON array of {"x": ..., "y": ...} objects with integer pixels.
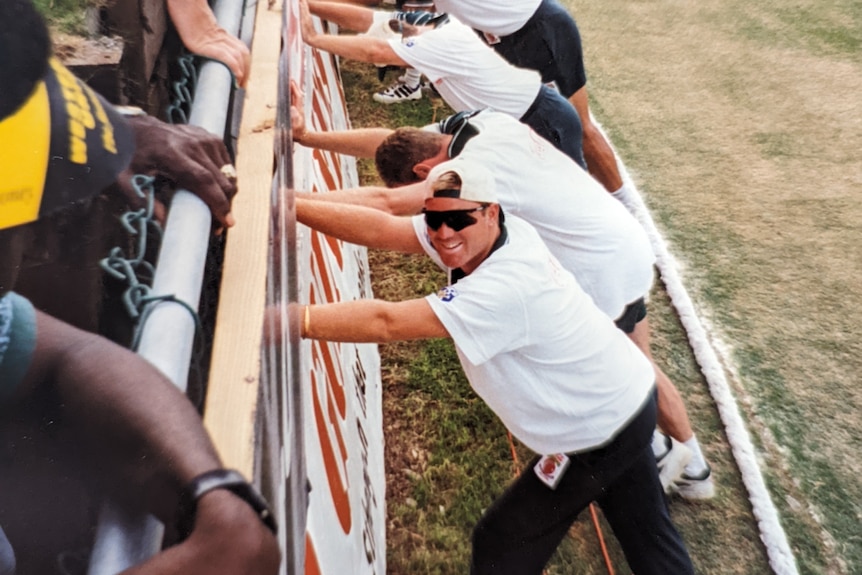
[{"x": 125, "y": 539}]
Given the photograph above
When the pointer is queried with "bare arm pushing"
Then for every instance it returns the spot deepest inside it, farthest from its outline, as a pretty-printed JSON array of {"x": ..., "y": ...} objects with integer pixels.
[
  {"x": 401, "y": 201},
  {"x": 364, "y": 49},
  {"x": 359, "y": 225},
  {"x": 347, "y": 16},
  {"x": 360, "y": 143},
  {"x": 373, "y": 321}
]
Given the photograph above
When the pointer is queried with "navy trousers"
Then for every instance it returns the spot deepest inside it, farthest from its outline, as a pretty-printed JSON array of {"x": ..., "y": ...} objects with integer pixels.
[{"x": 521, "y": 530}]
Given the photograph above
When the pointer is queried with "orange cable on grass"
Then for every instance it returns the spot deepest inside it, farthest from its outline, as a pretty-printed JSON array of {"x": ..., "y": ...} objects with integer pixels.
[
  {"x": 593, "y": 513},
  {"x": 601, "y": 537}
]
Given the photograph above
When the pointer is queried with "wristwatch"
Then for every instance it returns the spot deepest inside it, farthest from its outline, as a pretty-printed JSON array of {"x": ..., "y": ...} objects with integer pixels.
[{"x": 228, "y": 479}]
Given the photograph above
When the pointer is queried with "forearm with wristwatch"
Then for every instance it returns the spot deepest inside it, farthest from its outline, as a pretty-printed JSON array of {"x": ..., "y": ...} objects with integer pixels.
[{"x": 226, "y": 479}]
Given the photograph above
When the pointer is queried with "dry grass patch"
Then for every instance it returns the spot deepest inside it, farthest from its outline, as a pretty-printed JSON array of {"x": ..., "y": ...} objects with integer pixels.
[{"x": 742, "y": 123}]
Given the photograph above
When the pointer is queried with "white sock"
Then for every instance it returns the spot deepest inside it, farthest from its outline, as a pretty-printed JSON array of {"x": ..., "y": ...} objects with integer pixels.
[
  {"x": 412, "y": 77},
  {"x": 697, "y": 465},
  {"x": 625, "y": 195}
]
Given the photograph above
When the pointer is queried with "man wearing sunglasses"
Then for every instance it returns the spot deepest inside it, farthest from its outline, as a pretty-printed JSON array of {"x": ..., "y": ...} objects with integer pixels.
[
  {"x": 592, "y": 235},
  {"x": 556, "y": 371}
]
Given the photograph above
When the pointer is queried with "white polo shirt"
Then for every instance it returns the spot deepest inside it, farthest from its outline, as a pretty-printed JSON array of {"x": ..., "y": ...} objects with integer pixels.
[
  {"x": 590, "y": 232},
  {"x": 468, "y": 74},
  {"x": 555, "y": 369},
  {"x": 499, "y": 17}
]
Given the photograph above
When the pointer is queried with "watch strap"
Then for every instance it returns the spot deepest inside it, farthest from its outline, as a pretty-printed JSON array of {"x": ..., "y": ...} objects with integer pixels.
[{"x": 228, "y": 479}]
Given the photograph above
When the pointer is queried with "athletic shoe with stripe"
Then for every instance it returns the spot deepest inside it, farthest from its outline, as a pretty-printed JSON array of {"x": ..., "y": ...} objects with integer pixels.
[
  {"x": 671, "y": 463},
  {"x": 700, "y": 487},
  {"x": 399, "y": 92}
]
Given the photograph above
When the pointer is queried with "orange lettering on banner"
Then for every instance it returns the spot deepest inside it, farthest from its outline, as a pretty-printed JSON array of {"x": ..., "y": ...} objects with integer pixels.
[
  {"x": 329, "y": 163},
  {"x": 334, "y": 375},
  {"x": 319, "y": 259},
  {"x": 337, "y": 487},
  {"x": 312, "y": 567},
  {"x": 335, "y": 464},
  {"x": 325, "y": 171},
  {"x": 321, "y": 86}
]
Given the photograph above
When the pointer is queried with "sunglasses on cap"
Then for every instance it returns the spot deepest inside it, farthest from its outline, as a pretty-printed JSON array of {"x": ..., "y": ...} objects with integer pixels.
[{"x": 457, "y": 220}]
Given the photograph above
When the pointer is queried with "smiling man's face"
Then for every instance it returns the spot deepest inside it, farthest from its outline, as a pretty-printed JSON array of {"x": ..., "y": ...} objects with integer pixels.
[{"x": 468, "y": 247}]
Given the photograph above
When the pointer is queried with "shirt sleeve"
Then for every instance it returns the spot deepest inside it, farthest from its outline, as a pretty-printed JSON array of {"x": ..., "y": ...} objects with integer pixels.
[
  {"x": 17, "y": 341},
  {"x": 436, "y": 53},
  {"x": 483, "y": 315}
]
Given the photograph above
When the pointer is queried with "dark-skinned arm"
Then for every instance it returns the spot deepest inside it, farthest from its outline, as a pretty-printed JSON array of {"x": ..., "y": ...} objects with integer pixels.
[
  {"x": 188, "y": 156},
  {"x": 136, "y": 424}
]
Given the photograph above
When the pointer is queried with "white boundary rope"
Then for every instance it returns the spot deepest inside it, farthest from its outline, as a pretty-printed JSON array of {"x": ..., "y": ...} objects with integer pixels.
[{"x": 778, "y": 549}]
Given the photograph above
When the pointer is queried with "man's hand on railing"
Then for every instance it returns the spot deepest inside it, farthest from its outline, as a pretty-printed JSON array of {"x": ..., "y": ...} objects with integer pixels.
[
  {"x": 228, "y": 539},
  {"x": 190, "y": 157},
  {"x": 201, "y": 34}
]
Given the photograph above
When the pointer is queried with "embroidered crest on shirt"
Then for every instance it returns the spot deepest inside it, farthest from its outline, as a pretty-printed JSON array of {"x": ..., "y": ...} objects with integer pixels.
[{"x": 448, "y": 293}]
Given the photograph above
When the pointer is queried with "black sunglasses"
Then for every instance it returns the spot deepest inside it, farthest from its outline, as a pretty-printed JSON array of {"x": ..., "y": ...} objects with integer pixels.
[{"x": 457, "y": 220}]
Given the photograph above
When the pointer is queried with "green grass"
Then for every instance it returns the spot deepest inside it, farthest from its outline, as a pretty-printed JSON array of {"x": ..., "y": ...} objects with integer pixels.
[
  {"x": 736, "y": 121},
  {"x": 456, "y": 451},
  {"x": 66, "y": 15}
]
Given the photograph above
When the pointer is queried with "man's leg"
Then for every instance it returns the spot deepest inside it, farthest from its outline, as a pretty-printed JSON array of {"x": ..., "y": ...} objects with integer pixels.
[
  {"x": 672, "y": 415},
  {"x": 520, "y": 531},
  {"x": 635, "y": 507},
  {"x": 697, "y": 482}
]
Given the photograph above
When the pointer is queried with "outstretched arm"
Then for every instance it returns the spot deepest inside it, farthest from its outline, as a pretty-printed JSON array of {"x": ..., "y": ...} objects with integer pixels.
[
  {"x": 372, "y": 321},
  {"x": 359, "y": 225},
  {"x": 361, "y": 143},
  {"x": 347, "y": 16},
  {"x": 402, "y": 201},
  {"x": 201, "y": 34},
  {"x": 363, "y": 48},
  {"x": 134, "y": 423}
]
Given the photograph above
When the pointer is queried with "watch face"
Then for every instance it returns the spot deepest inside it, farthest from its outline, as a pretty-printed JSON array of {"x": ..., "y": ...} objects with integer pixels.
[{"x": 70, "y": 145}]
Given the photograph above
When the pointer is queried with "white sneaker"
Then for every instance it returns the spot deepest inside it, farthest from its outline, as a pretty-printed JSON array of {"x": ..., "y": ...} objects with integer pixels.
[
  {"x": 700, "y": 487},
  {"x": 671, "y": 463},
  {"x": 398, "y": 92}
]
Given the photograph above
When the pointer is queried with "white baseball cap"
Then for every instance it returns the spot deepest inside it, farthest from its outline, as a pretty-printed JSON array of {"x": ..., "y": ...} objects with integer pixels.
[{"x": 477, "y": 181}]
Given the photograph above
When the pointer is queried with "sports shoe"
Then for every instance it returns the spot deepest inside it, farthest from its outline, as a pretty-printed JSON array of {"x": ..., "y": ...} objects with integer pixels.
[
  {"x": 672, "y": 462},
  {"x": 700, "y": 487},
  {"x": 398, "y": 92}
]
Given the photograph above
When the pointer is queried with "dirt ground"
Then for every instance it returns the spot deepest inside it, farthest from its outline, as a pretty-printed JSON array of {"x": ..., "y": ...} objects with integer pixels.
[{"x": 742, "y": 124}]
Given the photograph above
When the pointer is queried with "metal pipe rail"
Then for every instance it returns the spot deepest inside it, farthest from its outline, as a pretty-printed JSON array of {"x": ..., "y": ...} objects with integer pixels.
[{"x": 123, "y": 539}]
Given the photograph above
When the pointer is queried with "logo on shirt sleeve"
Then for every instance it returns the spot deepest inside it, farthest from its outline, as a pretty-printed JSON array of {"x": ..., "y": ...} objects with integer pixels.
[{"x": 448, "y": 293}]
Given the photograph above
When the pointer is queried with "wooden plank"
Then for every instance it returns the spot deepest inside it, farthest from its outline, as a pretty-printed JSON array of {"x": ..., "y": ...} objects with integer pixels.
[{"x": 232, "y": 394}]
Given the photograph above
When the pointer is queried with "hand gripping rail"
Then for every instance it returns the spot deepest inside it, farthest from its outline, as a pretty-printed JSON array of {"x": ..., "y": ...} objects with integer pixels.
[{"x": 123, "y": 539}]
